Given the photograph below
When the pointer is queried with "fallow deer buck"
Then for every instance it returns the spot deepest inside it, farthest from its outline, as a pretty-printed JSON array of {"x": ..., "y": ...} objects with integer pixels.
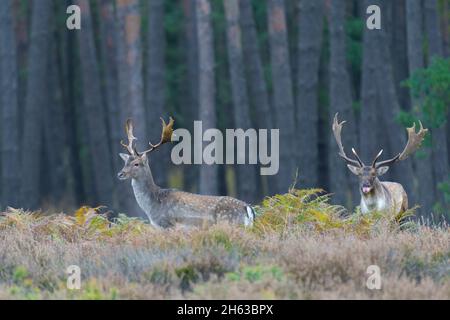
[
  {"x": 168, "y": 207},
  {"x": 387, "y": 197}
]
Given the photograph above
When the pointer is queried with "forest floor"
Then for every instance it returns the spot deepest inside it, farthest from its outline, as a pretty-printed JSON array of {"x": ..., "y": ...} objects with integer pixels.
[{"x": 129, "y": 259}]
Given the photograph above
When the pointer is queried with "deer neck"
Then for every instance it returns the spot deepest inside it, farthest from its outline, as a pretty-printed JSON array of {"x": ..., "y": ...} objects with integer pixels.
[
  {"x": 146, "y": 191},
  {"x": 375, "y": 200}
]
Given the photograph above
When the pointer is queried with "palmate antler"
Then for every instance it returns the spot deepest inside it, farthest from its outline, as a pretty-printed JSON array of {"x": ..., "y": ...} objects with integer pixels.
[
  {"x": 337, "y": 128},
  {"x": 414, "y": 142},
  {"x": 166, "y": 136},
  {"x": 129, "y": 131}
]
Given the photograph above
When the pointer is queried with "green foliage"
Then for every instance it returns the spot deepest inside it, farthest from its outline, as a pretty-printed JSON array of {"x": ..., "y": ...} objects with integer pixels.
[
  {"x": 20, "y": 274},
  {"x": 23, "y": 285},
  {"x": 310, "y": 209},
  {"x": 444, "y": 187},
  {"x": 298, "y": 207},
  {"x": 175, "y": 54},
  {"x": 187, "y": 274},
  {"x": 94, "y": 291},
  {"x": 159, "y": 274},
  {"x": 256, "y": 273},
  {"x": 218, "y": 238},
  {"x": 431, "y": 86},
  {"x": 354, "y": 28}
]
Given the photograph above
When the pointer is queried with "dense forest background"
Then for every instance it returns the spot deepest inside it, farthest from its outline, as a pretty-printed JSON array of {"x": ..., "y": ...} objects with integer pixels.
[{"x": 288, "y": 64}]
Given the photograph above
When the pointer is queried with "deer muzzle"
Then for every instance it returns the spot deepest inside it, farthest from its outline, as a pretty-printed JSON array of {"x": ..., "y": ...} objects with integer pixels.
[{"x": 366, "y": 190}]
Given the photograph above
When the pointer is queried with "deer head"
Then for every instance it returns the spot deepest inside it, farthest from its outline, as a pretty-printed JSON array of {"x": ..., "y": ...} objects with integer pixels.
[
  {"x": 136, "y": 163},
  {"x": 368, "y": 174}
]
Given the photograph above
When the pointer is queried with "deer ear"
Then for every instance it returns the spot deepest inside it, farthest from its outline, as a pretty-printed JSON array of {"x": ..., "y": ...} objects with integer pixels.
[
  {"x": 354, "y": 170},
  {"x": 382, "y": 170},
  {"x": 124, "y": 156}
]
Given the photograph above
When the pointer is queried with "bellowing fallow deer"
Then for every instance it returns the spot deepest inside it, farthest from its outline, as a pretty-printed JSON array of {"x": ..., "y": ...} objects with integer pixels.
[
  {"x": 387, "y": 197},
  {"x": 169, "y": 207}
]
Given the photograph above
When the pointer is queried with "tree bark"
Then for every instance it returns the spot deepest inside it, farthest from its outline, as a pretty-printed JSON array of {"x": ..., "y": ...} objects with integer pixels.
[
  {"x": 445, "y": 28},
  {"x": 36, "y": 101},
  {"x": 55, "y": 136},
  {"x": 108, "y": 32},
  {"x": 259, "y": 97},
  {"x": 309, "y": 49},
  {"x": 283, "y": 99},
  {"x": 396, "y": 134},
  {"x": 426, "y": 186},
  {"x": 67, "y": 61},
  {"x": 99, "y": 152},
  {"x": 370, "y": 133},
  {"x": 131, "y": 99},
  {"x": 156, "y": 85},
  {"x": 21, "y": 26},
  {"x": 341, "y": 183},
  {"x": 246, "y": 174},
  {"x": 439, "y": 135},
  {"x": 257, "y": 87},
  {"x": 207, "y": 109},
  {"x": 399, "y": 50},
  {"x": 10, "y": 152},
  {"x": 191, "y": 172},
  {"x": 380, "y": 108}
]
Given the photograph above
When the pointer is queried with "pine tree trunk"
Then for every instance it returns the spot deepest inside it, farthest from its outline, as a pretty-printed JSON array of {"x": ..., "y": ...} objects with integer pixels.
[
  {"x": 416, "y": 61},
  {"x": 309, "y": 49},
  {"x": 380, "y": 108},
  {"x": 342, "y": 184},
  {"x": 55, "y": 137},
  {"x": 36, "y": 101},
  {"x": 399, "y": 50},
  {"x": 10, "y": 152},
  {"x": 439, "y": 135},
  {"x": 156, "y": 84},
  {"x": 370, "y": 122},
  {"x": 21, "y": 27},
  {"x": 257, "y": 87},
  {"x": 131, "y": 99},
  {"x": 246, "y": 174},
  {"x": 99, "y": 152},
  {"x": 109, "y": 61},
  {"x": 108, "y": 42},
  {"x": 444, "y": 18},
  {"x": 259, "y": 97},
  {"x": 191, "y": 172},
  {"x": 396, "y": 134},
  {"x": 283, "y": 100},
  {"x": 207, "y": 109}
]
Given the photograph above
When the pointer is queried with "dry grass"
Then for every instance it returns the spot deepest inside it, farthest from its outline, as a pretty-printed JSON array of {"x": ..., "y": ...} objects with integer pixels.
[{"x": 319, "y": 257}]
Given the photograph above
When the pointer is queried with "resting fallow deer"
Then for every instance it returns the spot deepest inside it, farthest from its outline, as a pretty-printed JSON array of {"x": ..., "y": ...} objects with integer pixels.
[
  {"x": 380, "y": 196},
  {"x": 168, "y": 207}
]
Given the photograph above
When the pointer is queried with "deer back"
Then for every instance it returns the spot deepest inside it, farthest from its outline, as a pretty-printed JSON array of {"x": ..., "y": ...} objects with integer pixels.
[{"x": 197, "y": 210}]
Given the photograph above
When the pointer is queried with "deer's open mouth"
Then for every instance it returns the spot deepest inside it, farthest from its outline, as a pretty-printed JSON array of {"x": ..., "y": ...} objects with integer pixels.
[{"x": 366, "y": 190}]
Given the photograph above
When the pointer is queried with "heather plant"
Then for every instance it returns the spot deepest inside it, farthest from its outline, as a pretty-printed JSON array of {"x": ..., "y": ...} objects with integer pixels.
[{"x": 301, "y": 247}]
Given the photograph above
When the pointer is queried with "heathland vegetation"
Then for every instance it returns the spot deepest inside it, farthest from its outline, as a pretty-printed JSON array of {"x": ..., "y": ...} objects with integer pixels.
[{"x": 300, "y": 247}]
